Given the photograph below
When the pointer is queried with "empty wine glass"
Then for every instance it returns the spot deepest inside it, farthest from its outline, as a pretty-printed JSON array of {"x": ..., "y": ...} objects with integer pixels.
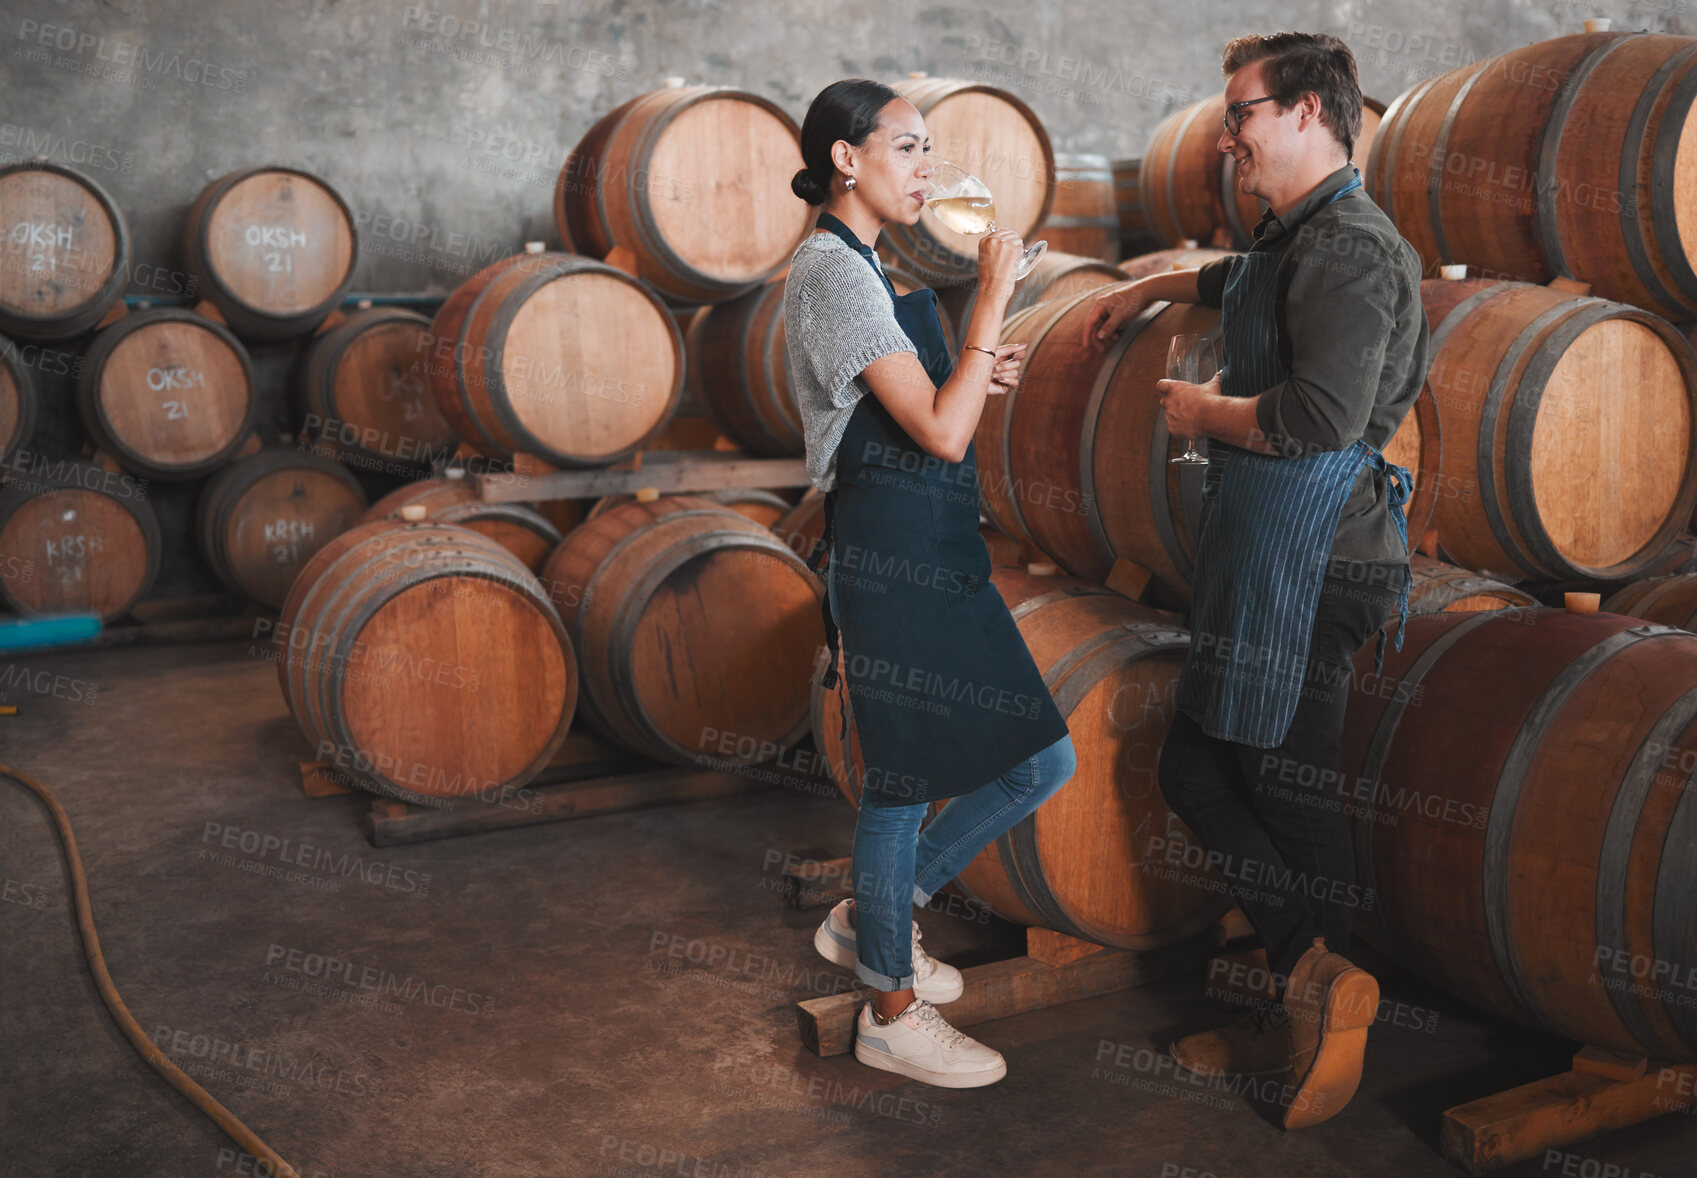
[
  {"x": 1194, "y": 359},
  {"x": 963, "y": 202}
]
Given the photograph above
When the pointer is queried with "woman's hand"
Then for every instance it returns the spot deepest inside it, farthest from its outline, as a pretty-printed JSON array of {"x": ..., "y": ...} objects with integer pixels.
[
  {"x": 1112, "y": 309},
  {"x": 1004, "y": 376},
  {"x": 999, "y": 255}
]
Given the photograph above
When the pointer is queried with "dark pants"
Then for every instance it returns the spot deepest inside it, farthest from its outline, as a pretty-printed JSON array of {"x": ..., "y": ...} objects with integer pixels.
[{"x": 1272, "y": 820}]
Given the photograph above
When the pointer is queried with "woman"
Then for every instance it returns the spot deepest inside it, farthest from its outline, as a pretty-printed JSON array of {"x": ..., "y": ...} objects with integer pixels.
[{"x": 946, "y": 698}]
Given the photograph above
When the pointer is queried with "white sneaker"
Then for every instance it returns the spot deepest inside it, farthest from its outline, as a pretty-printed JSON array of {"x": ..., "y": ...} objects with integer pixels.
[
  {"x": 933, "y": 980},
  {"x": 920, "y": 1045}
]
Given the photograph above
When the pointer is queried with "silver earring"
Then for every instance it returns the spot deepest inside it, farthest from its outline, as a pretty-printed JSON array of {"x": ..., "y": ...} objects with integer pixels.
[{"x": 849, "y": 183}]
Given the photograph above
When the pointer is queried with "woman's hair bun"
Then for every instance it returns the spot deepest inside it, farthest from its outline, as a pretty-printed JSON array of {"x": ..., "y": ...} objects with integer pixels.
[{"x": 809, "y": 189}]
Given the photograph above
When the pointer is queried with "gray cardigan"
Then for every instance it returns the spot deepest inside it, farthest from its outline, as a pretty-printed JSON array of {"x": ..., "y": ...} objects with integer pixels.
[{"x": 837, "y": 319}]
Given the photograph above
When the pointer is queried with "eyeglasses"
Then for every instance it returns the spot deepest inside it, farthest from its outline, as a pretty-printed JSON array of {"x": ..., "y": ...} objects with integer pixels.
[{"x": 1233, "y": 120}]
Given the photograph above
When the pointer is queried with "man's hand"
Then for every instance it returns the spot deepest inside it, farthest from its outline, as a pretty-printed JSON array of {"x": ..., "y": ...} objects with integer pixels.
[
  {"x": 1111, "y": 311},
  {"x": 1189, "y": 407}
]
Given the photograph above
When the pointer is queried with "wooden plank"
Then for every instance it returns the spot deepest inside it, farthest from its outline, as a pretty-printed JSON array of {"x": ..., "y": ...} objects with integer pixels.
[
  {"x": 1020, "y": 984},
  {"x": 1052, "y": 948},
  {"x": 1486, "y": 1135},
  {"x": 577, "y": 799},
  {"x": 671, "y": 472}
]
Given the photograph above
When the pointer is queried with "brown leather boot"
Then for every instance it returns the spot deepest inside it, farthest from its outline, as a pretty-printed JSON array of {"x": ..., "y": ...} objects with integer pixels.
[
  {"x": 1255, "y": 1043},
  {"x": 1331, "y": 1003}
]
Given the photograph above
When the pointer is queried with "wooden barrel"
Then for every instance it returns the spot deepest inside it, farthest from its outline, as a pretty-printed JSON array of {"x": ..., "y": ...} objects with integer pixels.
[
  {"x": 802, "y": 527},
  {"x": 1161, "y": 261},
  {"x": 556, "y": 356},
  {"x": 739, "y": 367},
  {"x": 366, "y": 397},
  {"x": 273, "y": 248},
  {"x": 1189, "y": 186},
  {"x": 167, "y": 393},
  {"x": 1135, "y": 237},
  {"x": 1570, "y": 430},
  {"x": 1087, "y": 863},
  {"x": 692, "y": 186},
  {"x": 1528, "y": 840},
  {"x": 75, "y": 537},
  {"x": 1562, "y": 158},
  {"x": 260, "y": 519},
  {"x": 65, "y": 256},
  {"x": 997, "y": 138},
  {"x": 426, "y": 660},
  {"x": 691, "y": 622},
  {"x": 1672, "y": 601},
  {"x": 1084, "y": 219},
  {"x": 1055, "y": 276},
  {"x": 1438, "y": 587},
  {"x": 18, "y": 401},
  {"x": 517, "y": 527}
]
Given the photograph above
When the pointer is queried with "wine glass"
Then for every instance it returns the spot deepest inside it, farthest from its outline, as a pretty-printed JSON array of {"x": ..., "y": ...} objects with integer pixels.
[
  {"x": 963, "y": 202},
  {"x": 1188, "y": 358}
]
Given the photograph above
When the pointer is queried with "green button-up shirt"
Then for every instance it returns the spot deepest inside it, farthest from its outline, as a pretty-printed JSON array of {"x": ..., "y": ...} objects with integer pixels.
[{"x": 1353, "y": 334}]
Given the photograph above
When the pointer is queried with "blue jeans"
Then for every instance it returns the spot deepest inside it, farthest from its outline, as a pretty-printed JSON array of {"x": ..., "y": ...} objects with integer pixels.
[{"x": 896, "y": 866}]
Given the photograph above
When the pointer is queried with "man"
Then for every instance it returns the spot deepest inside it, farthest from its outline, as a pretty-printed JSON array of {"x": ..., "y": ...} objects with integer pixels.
[{"x": 1302, "y": 554}]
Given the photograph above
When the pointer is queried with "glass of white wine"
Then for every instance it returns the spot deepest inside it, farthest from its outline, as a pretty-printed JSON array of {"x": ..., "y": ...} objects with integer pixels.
[{"x": 963, "y": 202}]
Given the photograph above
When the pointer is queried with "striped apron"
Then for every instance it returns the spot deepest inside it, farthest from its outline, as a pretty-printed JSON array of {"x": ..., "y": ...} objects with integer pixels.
[{"x": 1266, "y": 535}]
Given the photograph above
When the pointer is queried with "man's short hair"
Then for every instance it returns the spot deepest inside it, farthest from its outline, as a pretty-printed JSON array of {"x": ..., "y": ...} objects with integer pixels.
[{"x": 1298, "y": 63}]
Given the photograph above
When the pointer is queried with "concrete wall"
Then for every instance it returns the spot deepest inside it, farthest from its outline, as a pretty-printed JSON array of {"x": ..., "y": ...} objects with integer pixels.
[{"x": 445, "y": 123}]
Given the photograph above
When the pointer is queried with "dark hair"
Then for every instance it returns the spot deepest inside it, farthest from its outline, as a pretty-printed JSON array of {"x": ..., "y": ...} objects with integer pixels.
[
  {"x": 846, "y": 110},
  {"x": 1298, "y": 63}
]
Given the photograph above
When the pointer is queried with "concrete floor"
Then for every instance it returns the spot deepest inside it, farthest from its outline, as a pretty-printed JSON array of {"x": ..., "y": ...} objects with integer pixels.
[{"x": 610, "y": 996}]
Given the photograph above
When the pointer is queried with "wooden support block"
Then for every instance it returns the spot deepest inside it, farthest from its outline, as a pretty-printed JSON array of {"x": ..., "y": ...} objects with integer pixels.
[
  {"x": 118, "y": 311},
  {"x": 1611, "y": 1065},
  {"x": 1235, "y": 926},
  {"x": 531, "y": 465},
  {"x": 1429, "y": 543},
  {"x": 331, "y": 322},
  {"x": 1020, "y": 984},
  {"x": 206, "y": 310},
  {"x": 1514, "y": 1126},
  {"x": 1571, "y": 285},
  {"x": 621, "y": 258},
  {"x": 1052, "y": 948},
  {"x": 816, "y": 883},
  {"x": 1128, "y": 579},
  {"x": 253, "y": 445},
  {"x": 319, "y": 780}
]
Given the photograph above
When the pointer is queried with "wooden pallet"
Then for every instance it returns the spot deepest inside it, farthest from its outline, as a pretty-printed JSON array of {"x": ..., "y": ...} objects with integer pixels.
[{"x": 588, "y": 776}]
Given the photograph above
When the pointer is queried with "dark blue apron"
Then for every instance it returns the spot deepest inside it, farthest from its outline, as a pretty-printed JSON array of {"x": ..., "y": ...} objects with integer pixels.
[
  {"x": 945, "y": 694},
  {"x": 1266, "y": 536}
]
